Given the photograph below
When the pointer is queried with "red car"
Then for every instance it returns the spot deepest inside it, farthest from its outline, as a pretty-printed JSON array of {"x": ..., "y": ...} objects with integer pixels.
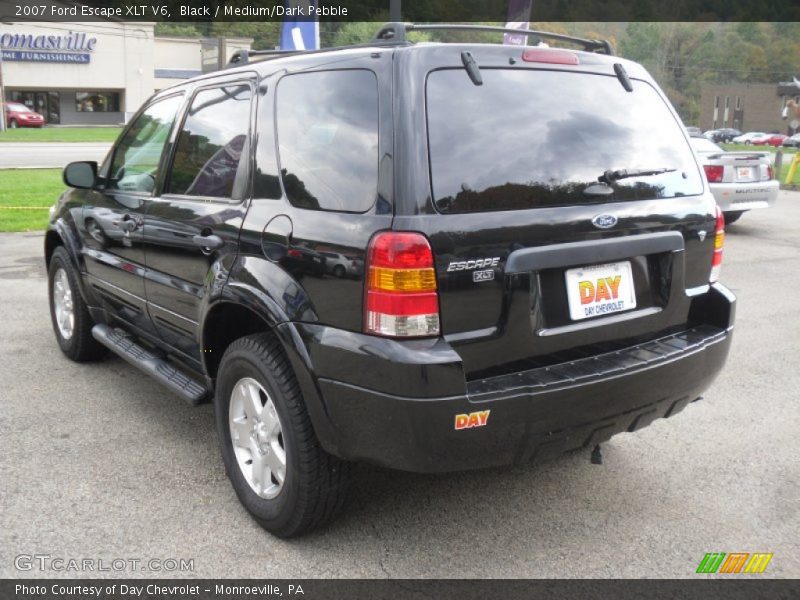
[
  {"x": 775, "y": 139},
  {"x": 19, "y": 115}
]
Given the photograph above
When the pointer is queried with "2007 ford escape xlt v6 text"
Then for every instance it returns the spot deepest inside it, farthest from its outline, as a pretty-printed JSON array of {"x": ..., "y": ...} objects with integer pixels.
[{"x": 429, "y": 257}]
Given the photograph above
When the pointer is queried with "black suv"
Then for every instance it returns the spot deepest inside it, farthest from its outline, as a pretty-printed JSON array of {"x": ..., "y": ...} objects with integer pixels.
[{"x": 533, "y": 260}]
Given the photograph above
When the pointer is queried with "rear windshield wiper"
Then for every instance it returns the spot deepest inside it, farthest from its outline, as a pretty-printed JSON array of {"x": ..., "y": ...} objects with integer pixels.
[{"x": 610, "y": 175}]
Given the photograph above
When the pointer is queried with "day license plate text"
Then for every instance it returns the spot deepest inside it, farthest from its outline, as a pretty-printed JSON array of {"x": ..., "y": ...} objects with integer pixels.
[{"x": 600, "y": 290}]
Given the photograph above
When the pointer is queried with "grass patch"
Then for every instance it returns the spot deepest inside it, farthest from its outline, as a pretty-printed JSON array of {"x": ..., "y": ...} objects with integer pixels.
[
  {"x": 38, "y": 188},
  {"x": 61, "y": 134},
  {"x": 751, "y": 148}
]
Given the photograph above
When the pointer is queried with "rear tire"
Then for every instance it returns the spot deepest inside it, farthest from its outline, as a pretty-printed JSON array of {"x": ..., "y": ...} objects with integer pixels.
[
  {"x": 307, "y": 488},
  {"x": 69, "y": 314},
  {"x": 339, "y": 271},
  {"x": 732, "y": 217}
]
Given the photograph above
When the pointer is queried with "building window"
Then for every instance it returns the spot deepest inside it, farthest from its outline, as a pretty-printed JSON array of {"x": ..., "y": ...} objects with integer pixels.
[
  {"x": 97, "y": 101},
  {"x": 727, "y": 101},
  {"x": 47, "y": 104},
  {"x": 716, "y": 101},
  {"x": 738, "y": 102}
]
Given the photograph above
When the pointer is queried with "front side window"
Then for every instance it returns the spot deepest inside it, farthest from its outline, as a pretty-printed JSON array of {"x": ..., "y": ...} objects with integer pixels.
[
  {"x": 137, "y": 157},
  {"x": 208, "y": 152},
  {"x": 327, "y": 127},
  {"x": 530, "y": 138}
]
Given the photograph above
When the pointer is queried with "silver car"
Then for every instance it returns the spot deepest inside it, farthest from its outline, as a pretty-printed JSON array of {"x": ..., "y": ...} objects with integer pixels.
[{"x": 740, "y": 181}]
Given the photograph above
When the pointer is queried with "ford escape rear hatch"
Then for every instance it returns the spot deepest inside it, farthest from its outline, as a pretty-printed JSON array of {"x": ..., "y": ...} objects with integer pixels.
[{"x": 569, "y": 214}]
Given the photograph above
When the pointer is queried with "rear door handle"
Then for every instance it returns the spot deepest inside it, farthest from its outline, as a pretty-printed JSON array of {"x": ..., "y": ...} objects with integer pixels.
[{"x": 208, "y": 242}]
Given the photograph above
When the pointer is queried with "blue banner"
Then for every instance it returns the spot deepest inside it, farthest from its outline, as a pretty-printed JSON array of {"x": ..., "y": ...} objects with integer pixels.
[{"x": 300, "y": 30}]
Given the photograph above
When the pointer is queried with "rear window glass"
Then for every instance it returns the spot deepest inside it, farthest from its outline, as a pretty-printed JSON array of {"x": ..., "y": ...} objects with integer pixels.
[
  {"x": 328, "y": 139},
  {"x": 529, "y": 139}
]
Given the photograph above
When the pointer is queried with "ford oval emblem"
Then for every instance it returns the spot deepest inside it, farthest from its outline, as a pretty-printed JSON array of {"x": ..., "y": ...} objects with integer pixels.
[{"x": 604, "y": 221}]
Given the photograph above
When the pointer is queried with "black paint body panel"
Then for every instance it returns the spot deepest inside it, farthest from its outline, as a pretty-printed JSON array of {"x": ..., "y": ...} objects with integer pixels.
[{"x": 392, "y": 402}]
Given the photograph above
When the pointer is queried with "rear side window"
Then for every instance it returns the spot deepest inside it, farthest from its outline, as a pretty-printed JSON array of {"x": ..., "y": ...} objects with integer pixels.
[
  {"x": 529, "y": 139},
  {"x": 327, "y": 127},
  {"x": 208, "y": 152}
]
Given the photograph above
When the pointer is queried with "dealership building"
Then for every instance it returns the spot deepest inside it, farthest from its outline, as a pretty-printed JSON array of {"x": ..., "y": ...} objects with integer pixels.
[{"x": 99, "y": 73}]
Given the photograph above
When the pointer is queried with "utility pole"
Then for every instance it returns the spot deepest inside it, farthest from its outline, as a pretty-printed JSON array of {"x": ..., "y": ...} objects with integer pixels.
[
  {"x": 2, "y": 96},
  {"x": 395, "y": 12}
]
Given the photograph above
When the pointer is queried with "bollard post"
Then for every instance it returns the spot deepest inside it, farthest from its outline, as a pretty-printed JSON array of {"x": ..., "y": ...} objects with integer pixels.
[
  {"x": 792, "y": 169},
  {"x": 778, "y": 164}
]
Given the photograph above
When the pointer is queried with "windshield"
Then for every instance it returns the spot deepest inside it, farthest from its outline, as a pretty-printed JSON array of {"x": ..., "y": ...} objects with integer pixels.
[
  {"x": 18, "y": 107},
  {"x": 528, "y": 139},
  {"x": 704, "y": 145}
]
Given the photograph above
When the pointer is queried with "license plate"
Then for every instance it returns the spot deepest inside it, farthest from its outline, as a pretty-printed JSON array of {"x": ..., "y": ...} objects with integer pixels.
[
  {"x": 744, "y": 173},
  {"x": 600, "y": 290}
]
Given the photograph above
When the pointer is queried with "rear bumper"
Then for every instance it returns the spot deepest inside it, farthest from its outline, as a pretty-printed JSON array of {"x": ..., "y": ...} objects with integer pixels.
[
  {"x": 533, "y": 415},
  {"x": 734, "y": 197}
]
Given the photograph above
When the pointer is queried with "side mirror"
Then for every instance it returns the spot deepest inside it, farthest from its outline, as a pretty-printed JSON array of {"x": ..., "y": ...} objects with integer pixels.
[{"x": 82, "y": 175}]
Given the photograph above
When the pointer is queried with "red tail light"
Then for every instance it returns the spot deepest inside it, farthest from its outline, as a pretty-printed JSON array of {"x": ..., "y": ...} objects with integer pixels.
[
  {"x": 401, "y": 297},
  {"x": 713, "y": 173},
  {"x": 719, "y": 242},
  {"x": 769, "y": 173}
]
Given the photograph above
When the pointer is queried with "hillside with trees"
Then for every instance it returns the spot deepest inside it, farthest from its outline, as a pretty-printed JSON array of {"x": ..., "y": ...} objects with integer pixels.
[{"x": 680, "y": 56}]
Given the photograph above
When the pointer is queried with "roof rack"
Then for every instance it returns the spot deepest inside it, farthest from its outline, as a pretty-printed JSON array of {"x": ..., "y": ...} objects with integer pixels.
[
  {"x": 242, "y": 57},
  {"x": 396, "y": 33}
]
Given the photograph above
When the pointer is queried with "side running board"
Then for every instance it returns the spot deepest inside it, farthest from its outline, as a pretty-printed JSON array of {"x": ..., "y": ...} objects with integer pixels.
[{"x": 118, "y": 342}]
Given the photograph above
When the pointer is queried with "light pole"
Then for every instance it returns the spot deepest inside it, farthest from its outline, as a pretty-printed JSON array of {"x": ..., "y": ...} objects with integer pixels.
[
  {"x": 2, "y": 95},
  {"x": 395, "y": 11}
]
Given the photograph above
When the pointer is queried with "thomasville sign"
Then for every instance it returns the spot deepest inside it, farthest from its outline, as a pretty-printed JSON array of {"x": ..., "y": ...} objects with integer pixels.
[{"x": 73, "y": 47}]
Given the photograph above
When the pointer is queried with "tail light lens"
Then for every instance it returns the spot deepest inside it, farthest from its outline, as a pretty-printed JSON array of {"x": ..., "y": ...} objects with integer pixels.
[
  {"x": 719, "y": 242},
  {"x": 401, "y": 296},
  {"x": 713, "y": 173},
  {"x": 766, "y": 173}
]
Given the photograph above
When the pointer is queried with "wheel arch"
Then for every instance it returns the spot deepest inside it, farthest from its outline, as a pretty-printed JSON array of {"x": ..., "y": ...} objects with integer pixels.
[
  {"x": 243, "y": 311},
  {"x": 60, "y": 234}
]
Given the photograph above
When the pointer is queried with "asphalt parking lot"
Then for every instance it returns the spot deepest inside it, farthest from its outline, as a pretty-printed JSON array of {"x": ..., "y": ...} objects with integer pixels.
[
  {"x": 49, "y": 154},
  {"x": 97, "y": 461}
]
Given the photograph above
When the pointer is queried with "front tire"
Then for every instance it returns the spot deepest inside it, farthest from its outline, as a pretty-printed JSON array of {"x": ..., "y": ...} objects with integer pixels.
[
  {"x": 69, "y": 314},
  {"x": 280, "y": 473},
  {"x": 12, "y": 124}
]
